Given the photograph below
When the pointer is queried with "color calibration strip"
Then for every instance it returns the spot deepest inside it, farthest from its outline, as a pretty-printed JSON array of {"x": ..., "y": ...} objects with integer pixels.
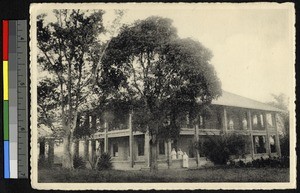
[
  {"x": 5, "y": 32},
  {"x": 15, "y": 99}
]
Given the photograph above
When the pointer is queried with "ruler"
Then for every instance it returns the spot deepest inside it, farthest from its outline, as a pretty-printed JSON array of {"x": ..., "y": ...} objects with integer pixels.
[
  {"x": 22, "y": 98},
  {"x": 15, "y": 110}
]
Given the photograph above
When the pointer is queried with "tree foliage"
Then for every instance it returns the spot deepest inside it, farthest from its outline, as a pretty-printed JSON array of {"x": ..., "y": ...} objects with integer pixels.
[
  {"x": 162, "y": 73},
  {"x": 104, "y": 162},
  {"x": 66, "y": 57},
  {"x": 47, "y": 105}
]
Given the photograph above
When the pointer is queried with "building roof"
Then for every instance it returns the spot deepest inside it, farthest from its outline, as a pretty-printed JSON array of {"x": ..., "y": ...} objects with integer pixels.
[{"x": 234, "y": 100}]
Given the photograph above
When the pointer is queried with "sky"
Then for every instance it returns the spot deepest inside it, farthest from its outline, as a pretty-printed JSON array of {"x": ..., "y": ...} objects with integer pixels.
[{"x": 252, "y": 46}]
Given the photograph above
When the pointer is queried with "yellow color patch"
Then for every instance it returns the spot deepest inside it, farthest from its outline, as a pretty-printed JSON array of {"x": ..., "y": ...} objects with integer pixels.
[{"x": 5, "y": 80}]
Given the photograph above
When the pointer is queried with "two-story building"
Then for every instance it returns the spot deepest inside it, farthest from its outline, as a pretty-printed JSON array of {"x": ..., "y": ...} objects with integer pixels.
[{"x": 230, "y": 113}]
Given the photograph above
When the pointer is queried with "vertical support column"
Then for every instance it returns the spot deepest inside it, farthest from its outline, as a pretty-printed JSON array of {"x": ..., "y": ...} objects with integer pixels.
[
  {"x": 169, "y": 152},
  {"x": 105, "y": 138},
  {"x": 131, "y": 157},
  {"x": 86, "y": 139},
  {"x": 225, "y": 120},
  {"x": 267, "y": 133},
  {"x": 42, "y": 148},
  {"x": 97, "y": 144},
  {"x": 51, "y": 151},
  {"x": 277, "y": 135},
  {"x": 197, "y": 141},
  {"x": 251, "y": 133},
  {"x": 93, "y": 150},
  {"x": 147, "y": 149}
]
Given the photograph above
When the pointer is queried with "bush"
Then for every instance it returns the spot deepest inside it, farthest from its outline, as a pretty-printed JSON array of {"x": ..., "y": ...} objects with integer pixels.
[
  {"x": 216, "y": 150},
  {"x": 285, "y": 146},
  {"x": 272, "y": 162},
  {"x": 104, "y": 162},
  {"x": 282, "y": 162},
  {"x": 219, "y": 148},
  {"x": 285, "y": 162},
  {"x": 236, "y": 144},
  {"x": 44, "y": 163},
  {"x": 78, "y": 162}
]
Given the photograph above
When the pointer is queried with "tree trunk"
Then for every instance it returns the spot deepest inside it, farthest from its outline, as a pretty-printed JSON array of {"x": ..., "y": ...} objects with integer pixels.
[
  {"x": 67, "y": 157},
  {"x": 86, "y": 150},
  {"x": 153, "y": 155},
  {"x": 169, "y": 153},
  {"x": 51, "y": 151},
  {"x": 93, "y": 152},
  {"x": 76, "y": 148},
  {"x": 42, "y": 148}
]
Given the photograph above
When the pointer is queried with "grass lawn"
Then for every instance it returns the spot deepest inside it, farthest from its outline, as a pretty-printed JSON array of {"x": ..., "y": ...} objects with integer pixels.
[{"x": 214, "y": 174}]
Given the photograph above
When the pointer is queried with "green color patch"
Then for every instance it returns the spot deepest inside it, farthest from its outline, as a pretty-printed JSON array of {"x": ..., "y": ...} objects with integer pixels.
[{"x": 5, "y": 121}]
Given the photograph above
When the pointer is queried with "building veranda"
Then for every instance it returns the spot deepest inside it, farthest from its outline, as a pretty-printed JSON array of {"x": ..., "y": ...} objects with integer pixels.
[{"x": 230, "y": 114}]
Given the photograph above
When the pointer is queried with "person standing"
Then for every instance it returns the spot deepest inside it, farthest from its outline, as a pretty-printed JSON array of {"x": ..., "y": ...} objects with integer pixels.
[
  {"x": 179, "y": 154},
  {"x": 185, "y": 160},
  {"x": 173, "y": 154}
]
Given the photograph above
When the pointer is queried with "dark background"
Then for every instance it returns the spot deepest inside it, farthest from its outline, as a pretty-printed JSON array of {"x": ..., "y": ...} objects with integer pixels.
[{"x": 19, "y": 9}]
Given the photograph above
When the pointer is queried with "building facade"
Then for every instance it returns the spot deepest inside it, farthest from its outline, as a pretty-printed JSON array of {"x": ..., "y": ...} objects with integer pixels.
[{"x": 231, "y": 113}]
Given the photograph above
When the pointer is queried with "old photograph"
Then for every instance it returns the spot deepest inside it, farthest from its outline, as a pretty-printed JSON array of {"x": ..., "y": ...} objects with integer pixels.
[{"x": 162, "y": 96}]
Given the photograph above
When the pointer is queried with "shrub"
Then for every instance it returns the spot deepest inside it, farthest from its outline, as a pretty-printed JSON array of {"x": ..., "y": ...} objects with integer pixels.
[
  {"x": 282, "y": 162},
  {"x": 78, "y": 162},
  {"x": 44, "y": 163},
  {"x": 285, "y": 146},
  {"x": 214, "y": 148},
  {"x": 104, "y": 162},
  {"x": 219, "y": 148},
  {"x": 285, "y": 161},
  {"x": 236, "y": 144}
]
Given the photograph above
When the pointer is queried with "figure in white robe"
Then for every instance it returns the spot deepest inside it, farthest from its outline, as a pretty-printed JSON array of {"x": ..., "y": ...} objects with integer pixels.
[
  {"x": 185, "y": 160},
  {"x": 173, "y": 154},
  {"x": 179, "y": 154}
]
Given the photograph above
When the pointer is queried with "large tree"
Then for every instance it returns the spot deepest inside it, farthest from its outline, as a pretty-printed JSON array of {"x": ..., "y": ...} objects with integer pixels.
[
  {"x": 65, "y": 54},
  {"x": 162, "y": 75}
]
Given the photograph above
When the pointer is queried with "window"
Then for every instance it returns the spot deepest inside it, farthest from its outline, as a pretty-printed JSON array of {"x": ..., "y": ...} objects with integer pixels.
[
  {"x": 187, "y": 119},
  {"x": 258, "y": 121},
  {"x": 90, "y": 121},
  {"x": 140, "y": 145},
  {"x": 201, "y": 121},
  {"x": 101, "y": 147},
  {"x": 231, "y": 124},
  {"x": 262, "y": 120},
  {"x": 98, "y": 124},
  {"x": 259, "y": 144},
  {"x": 161, "y": 147},
  {"x": 211, "y": 120},
  {"x": 272, "y": 143},
  {"x": 269, "y": 119},
  {"x": 254, "y": 121},
  {"x": 244, "y": 123},
  {"x": 115, "y": 150}
]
